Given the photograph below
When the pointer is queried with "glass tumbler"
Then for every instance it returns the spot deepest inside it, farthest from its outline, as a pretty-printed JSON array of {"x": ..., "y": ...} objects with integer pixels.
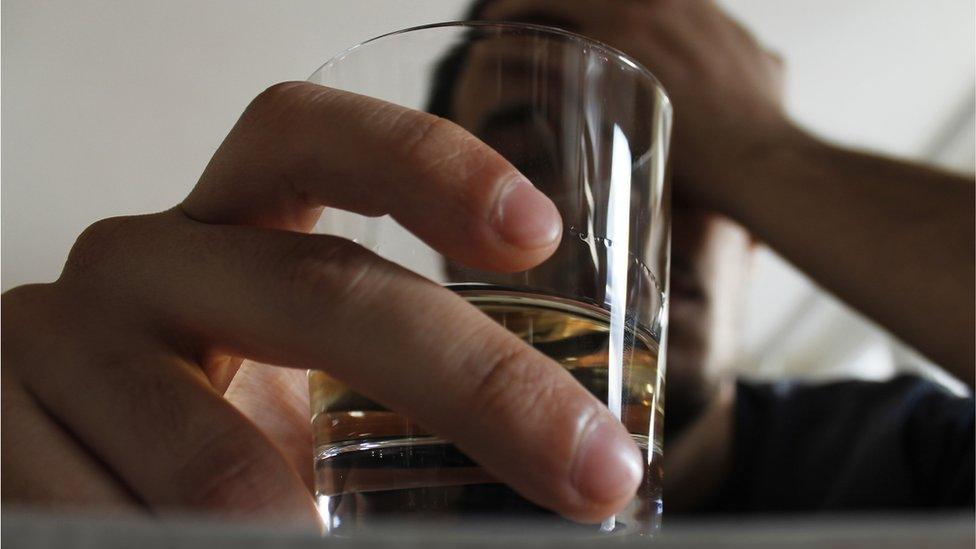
[{"x": 589, "y": 127}]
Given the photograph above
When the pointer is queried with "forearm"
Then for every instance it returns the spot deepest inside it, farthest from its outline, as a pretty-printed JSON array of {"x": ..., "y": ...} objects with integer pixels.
[{"x": 894, "y": 240}]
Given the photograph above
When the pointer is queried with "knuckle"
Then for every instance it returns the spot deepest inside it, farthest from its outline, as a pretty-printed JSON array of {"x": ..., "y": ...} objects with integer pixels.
[
  {"x": 98, "y": 244},
  {"x": 511, "y": 384},
  {"x": 430, "y": 142},
  {"x": 328, "y": 273},
  {"x": 281, "y": 104},
  {"x": 274, "y": 129},
  {"x": 421, "y": 134}
]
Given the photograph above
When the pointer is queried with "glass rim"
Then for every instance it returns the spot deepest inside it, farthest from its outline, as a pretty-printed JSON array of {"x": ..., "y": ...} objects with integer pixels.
[{"x": 511, "y": 25}]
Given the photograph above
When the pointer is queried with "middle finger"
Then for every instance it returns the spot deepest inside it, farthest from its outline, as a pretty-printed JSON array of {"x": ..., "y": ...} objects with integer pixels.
[{"x": 320, "y": 302}]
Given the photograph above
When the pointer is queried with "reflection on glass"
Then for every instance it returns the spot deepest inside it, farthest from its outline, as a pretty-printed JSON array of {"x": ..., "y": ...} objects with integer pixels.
[{"x": 590, "y": 129}]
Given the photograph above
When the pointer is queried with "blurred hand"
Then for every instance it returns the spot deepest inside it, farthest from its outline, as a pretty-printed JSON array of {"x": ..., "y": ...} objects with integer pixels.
[
  {"x": 113, "y": 376},
  {"x": 838, "y": 215},
  {"x": 725, "y": 87}
]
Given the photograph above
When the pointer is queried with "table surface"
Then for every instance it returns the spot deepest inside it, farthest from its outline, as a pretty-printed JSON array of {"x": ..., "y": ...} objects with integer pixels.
[{"x": 888, "y": 532}]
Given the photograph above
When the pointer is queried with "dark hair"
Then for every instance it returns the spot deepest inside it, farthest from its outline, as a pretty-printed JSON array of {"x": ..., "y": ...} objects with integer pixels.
[{"x": 448, "y": 69}]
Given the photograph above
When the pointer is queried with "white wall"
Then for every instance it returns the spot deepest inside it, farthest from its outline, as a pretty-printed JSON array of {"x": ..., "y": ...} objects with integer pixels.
[
  {"x": 114, "y": 108},
  {"x": 892, "y": 76}
]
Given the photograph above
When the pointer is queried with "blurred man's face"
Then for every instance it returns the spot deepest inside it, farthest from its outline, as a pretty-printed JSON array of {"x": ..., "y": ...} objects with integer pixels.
[
  {"x": 710, "y": 260},
  {"x": 527, "y": 123}
]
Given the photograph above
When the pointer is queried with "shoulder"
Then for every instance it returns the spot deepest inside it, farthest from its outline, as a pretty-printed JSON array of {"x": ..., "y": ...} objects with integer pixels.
[
  {"x": 906, "y": 442},
  {"x": 903, "y": 388},
  {"x": 903, "y": 398}
]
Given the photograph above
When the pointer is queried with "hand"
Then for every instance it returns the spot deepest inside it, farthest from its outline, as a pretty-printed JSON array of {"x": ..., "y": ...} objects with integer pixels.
[
  {"x": 113, "y": 375},
  {"x": 726, "y": 89}
]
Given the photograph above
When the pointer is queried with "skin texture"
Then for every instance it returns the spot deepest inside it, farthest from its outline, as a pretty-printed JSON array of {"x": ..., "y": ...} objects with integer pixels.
[
  {"x": 124, "y": 357},
  {"x": 124, "y": 374}
]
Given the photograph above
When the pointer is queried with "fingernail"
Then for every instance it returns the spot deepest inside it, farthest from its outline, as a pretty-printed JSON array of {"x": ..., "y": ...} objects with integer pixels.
[
  {"x": 526, "y": 218},
  {"x": 608, "y": 465}
]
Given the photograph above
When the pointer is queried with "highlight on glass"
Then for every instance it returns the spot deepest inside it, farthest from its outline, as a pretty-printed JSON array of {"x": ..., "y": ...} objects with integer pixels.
[{"x": 590, "y": 128}]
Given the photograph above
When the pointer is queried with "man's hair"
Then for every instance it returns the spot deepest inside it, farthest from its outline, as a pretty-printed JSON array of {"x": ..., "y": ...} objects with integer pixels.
[{"x": 448, "y": 70}]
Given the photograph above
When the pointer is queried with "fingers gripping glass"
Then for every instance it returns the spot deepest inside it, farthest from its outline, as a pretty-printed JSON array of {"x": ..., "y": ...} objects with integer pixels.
[{"x": 590, "y": 128}]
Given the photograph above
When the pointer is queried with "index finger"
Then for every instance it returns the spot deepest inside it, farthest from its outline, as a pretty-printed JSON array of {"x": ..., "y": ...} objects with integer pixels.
[
  {"x": 322, "y": 302},
  {"x": 300, "y": 146}
]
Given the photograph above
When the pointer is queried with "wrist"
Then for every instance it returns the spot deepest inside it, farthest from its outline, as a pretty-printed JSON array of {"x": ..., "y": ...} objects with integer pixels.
[{"x": 761, "y": 166}]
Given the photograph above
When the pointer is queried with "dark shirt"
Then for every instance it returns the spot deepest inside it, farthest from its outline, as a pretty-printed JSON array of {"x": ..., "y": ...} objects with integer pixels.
[{"x": 854, "y": 445}]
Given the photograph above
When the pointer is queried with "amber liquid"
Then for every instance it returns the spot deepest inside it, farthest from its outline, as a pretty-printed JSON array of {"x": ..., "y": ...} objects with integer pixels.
[{"x": 373, "y": 465}]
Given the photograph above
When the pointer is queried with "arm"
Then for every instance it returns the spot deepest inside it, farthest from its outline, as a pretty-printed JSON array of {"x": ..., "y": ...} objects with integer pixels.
[{"x": 892, "y": 239}]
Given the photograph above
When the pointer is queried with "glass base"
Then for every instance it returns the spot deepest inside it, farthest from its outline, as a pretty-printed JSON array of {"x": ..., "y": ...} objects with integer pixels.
[{"x": 426, "y": 482}]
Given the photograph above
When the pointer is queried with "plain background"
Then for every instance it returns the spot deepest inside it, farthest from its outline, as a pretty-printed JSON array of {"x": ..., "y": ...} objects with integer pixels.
[{"x": 114, "y": 107}]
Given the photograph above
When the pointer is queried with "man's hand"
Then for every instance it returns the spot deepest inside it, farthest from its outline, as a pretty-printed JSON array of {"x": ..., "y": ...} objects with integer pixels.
[
  {"x": 725, "y": 87},
  {"x": 113, "y": 375}
]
